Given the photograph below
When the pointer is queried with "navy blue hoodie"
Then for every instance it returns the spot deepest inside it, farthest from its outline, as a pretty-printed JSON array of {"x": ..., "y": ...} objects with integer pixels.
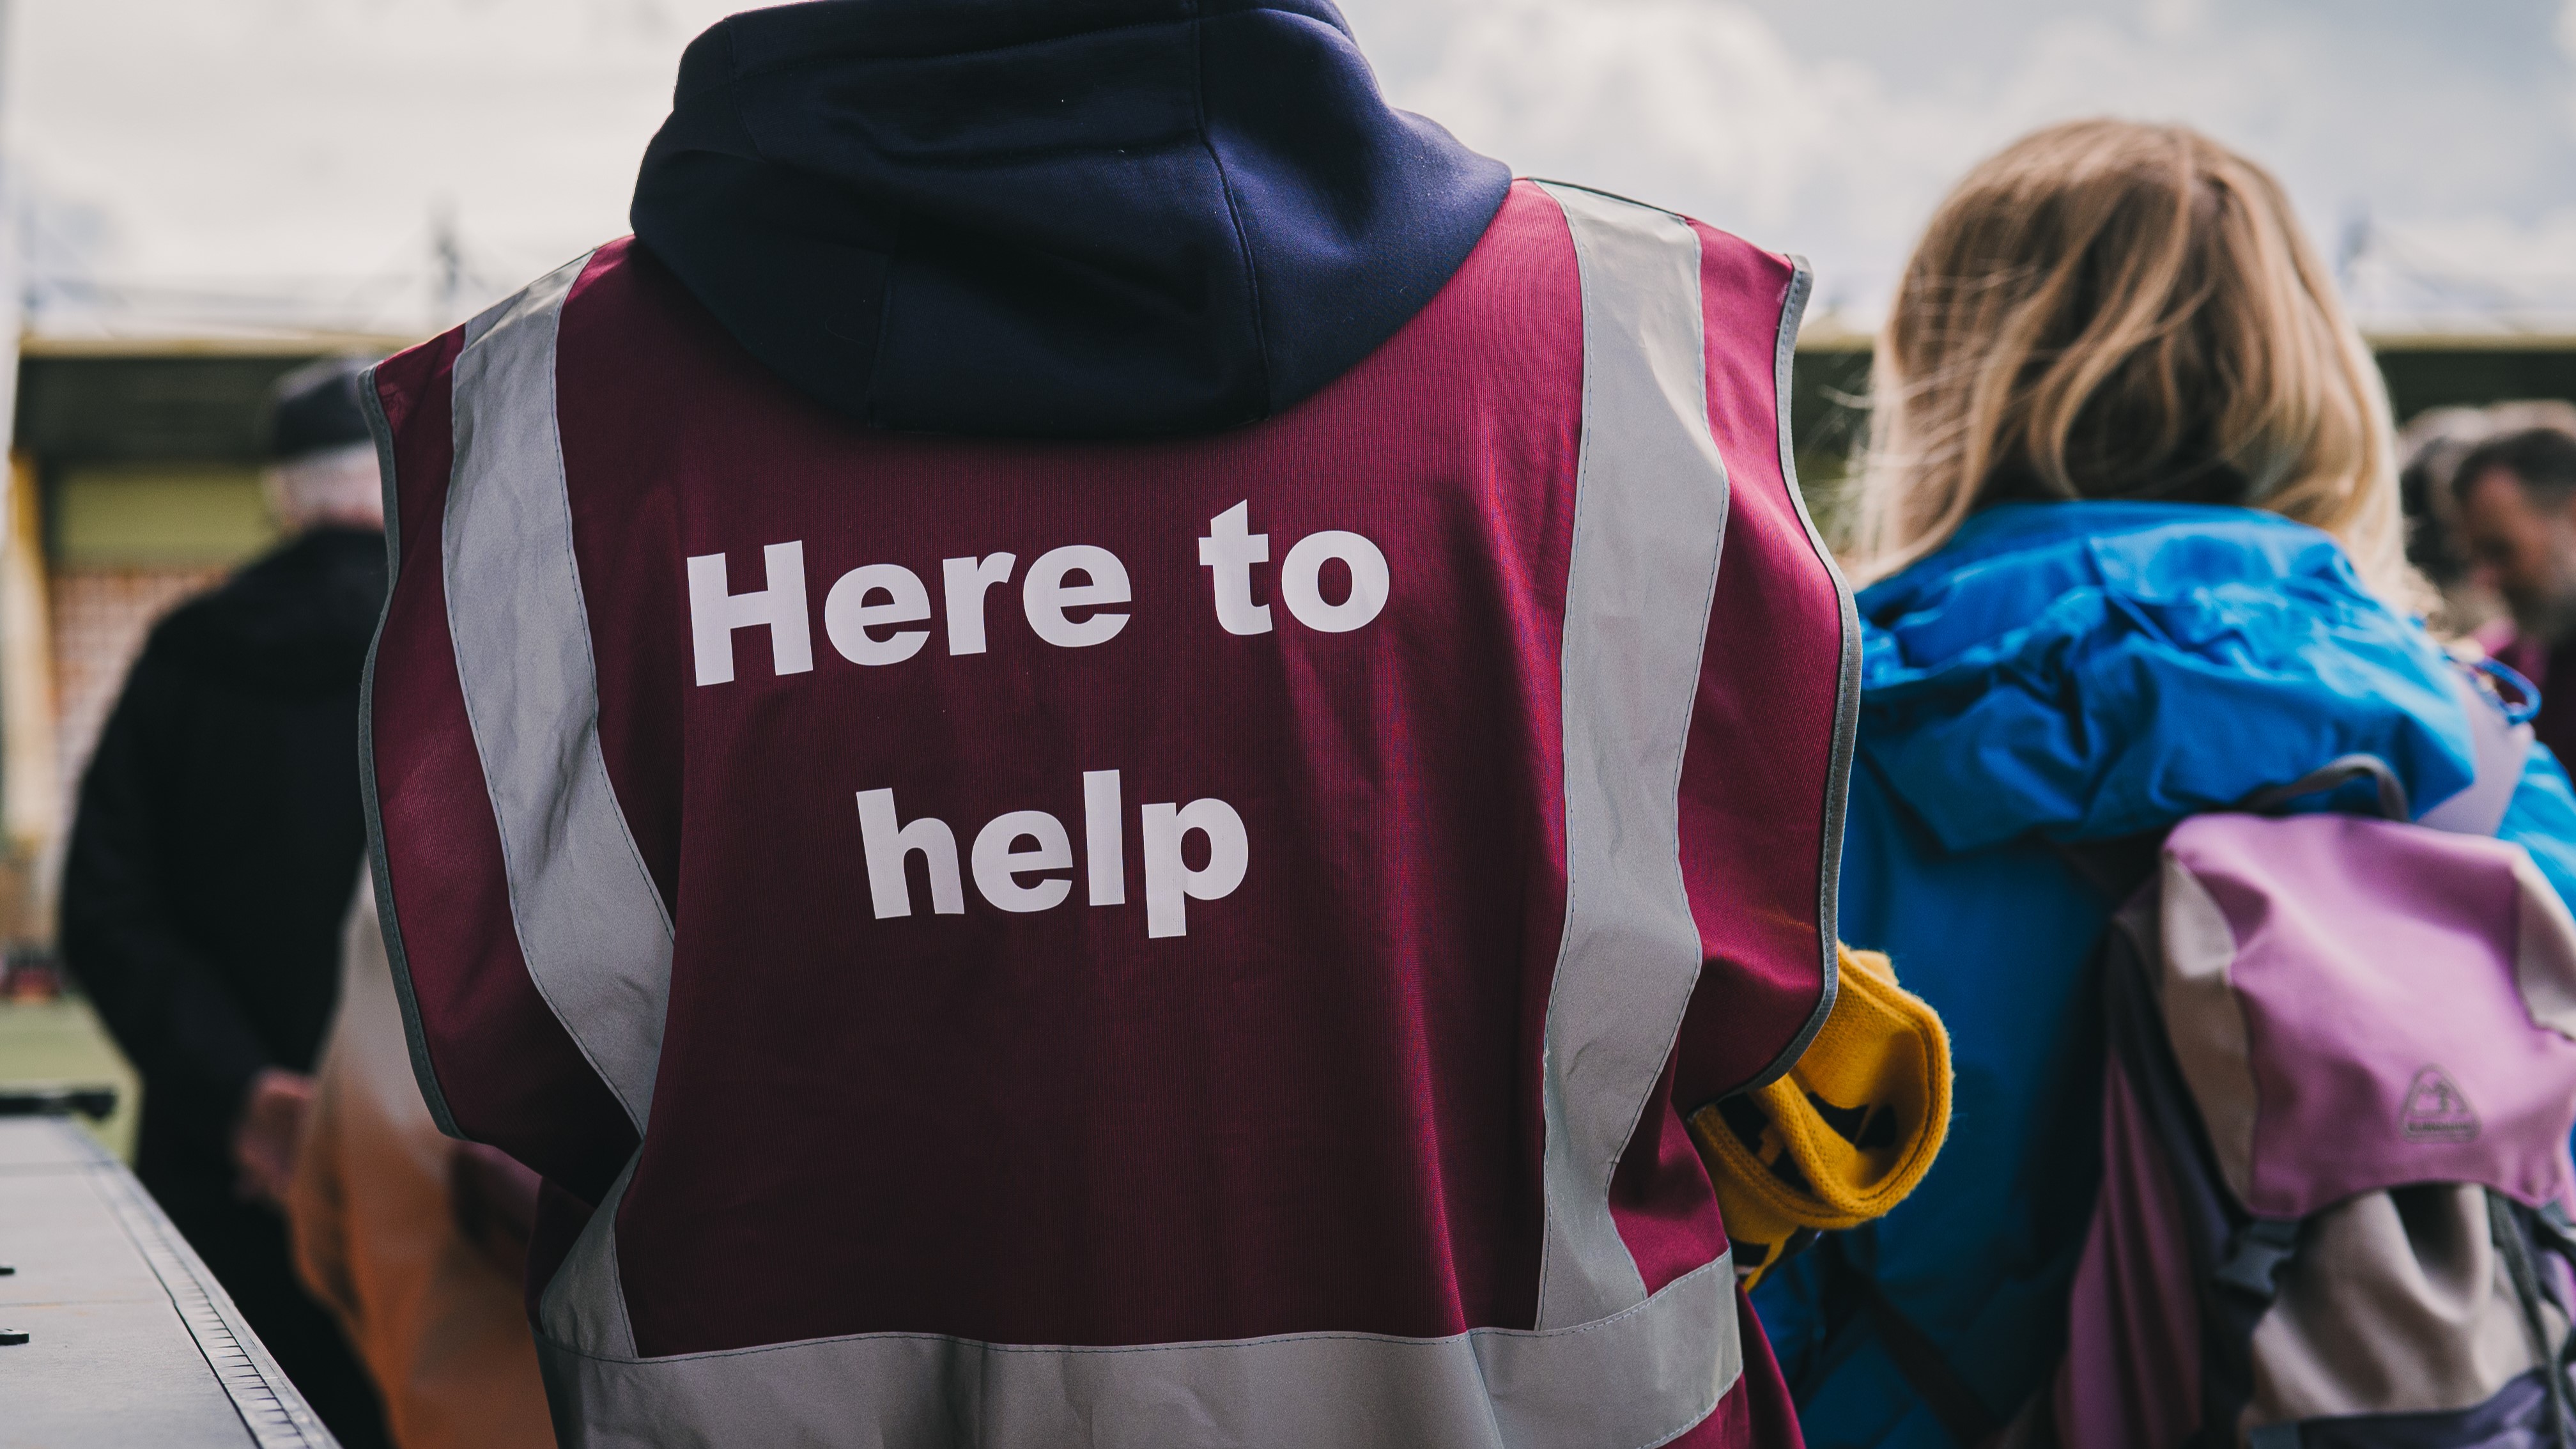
[{"x": 1054, "y": 218}]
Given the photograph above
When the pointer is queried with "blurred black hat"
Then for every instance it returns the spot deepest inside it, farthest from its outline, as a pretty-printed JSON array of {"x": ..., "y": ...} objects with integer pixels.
[{"x": 314, "y": 409}]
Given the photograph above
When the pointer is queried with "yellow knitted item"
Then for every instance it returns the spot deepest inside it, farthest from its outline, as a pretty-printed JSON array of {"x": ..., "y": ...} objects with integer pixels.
[{"x": 1846, "y": 1134}]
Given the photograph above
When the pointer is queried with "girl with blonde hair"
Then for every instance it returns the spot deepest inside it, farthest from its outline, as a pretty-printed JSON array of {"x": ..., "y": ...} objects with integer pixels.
[{"x": 2131, "y": 532}]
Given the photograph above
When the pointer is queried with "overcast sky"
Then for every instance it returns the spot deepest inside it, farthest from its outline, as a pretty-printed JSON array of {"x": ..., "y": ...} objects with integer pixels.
[{"x": 184, "y": 154}]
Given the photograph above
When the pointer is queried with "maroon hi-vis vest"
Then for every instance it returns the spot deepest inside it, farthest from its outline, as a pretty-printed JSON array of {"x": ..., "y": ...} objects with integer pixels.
[{"x": 1203, "y": 941}]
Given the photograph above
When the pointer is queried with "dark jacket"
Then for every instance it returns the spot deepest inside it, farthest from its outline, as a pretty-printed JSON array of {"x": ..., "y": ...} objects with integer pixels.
[{"x": 217, "y": 846}]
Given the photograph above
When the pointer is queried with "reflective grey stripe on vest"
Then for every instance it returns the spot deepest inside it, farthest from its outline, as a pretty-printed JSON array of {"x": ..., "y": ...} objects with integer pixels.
[
  {"x": 590, "y": 920},
  {"x": 1606, "y": 1365},
  {"x": 1649, "y": 519}
]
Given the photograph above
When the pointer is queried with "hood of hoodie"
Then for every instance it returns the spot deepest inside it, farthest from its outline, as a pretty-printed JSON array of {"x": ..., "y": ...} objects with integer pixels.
[
  {"x": 2086, "y": 671},
  {"x": 1054, "y": 218}
]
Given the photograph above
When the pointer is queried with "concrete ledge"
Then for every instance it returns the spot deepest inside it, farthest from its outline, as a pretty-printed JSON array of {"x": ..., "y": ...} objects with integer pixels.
[{"x": 131, "y": 1341}]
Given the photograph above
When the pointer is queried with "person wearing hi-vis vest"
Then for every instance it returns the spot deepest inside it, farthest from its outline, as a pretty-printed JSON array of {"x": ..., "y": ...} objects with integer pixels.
[{"x": 1101, "y": 749}]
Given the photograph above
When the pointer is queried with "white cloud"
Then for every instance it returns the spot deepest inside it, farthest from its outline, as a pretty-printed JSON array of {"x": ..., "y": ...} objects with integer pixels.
[
  {"x": 1696, "y": 105},
  {"x": 2567, "y": 47},
  {"x": 2172, "y": 19},
  {"x": 1840, "y": 148},
  {"x": 302, "y": 145}
]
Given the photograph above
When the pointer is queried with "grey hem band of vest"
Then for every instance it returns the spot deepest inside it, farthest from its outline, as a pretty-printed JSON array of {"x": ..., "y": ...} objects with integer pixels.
[
  {"x": 590, "y": 921},
  {"x": 1639, "y": 1378},
  {"x": 371, "y": 403}
]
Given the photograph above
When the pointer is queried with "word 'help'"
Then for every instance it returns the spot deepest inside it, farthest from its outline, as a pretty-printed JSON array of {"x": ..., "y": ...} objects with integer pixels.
[{"x": 1016, "y": 855}]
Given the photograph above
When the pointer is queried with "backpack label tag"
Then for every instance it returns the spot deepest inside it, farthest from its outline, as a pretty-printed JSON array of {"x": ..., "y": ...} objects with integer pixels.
[{"x": 2437, "y": 1110}]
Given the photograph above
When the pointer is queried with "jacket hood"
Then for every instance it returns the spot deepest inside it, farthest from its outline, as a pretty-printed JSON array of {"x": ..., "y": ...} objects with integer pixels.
[
  {"x": 1054, "y": 218},
  {"x": 2093, "y": 670}
]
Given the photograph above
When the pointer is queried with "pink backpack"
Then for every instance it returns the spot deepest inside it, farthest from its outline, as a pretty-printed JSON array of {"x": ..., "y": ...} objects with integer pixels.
[{"x": 2336, "y": 1185}]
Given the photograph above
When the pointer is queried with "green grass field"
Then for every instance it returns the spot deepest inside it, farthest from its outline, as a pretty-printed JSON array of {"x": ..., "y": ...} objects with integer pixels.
[{"x": 61, "y": 1041}]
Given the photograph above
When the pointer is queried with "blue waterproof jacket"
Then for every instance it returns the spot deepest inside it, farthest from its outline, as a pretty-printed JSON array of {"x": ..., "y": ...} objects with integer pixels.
[{"x": 2071, "y": 672}]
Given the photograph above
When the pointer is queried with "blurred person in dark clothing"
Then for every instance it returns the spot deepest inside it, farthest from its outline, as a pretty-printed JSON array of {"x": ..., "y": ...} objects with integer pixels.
[
  {"x": 2516, "y": 496},
  {"x": 2433, "y": 444},
  {"x": 217, "y": 842}
]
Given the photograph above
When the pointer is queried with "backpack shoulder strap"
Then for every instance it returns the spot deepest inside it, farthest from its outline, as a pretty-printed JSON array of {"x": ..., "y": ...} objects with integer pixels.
[
  {"x": 2500, "y": 741},
  {"x": 2501, "y": 732}
]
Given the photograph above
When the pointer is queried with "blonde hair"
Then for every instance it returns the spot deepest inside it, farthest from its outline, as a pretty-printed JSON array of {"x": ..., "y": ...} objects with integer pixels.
[{"x": 2108, "y": 309}]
